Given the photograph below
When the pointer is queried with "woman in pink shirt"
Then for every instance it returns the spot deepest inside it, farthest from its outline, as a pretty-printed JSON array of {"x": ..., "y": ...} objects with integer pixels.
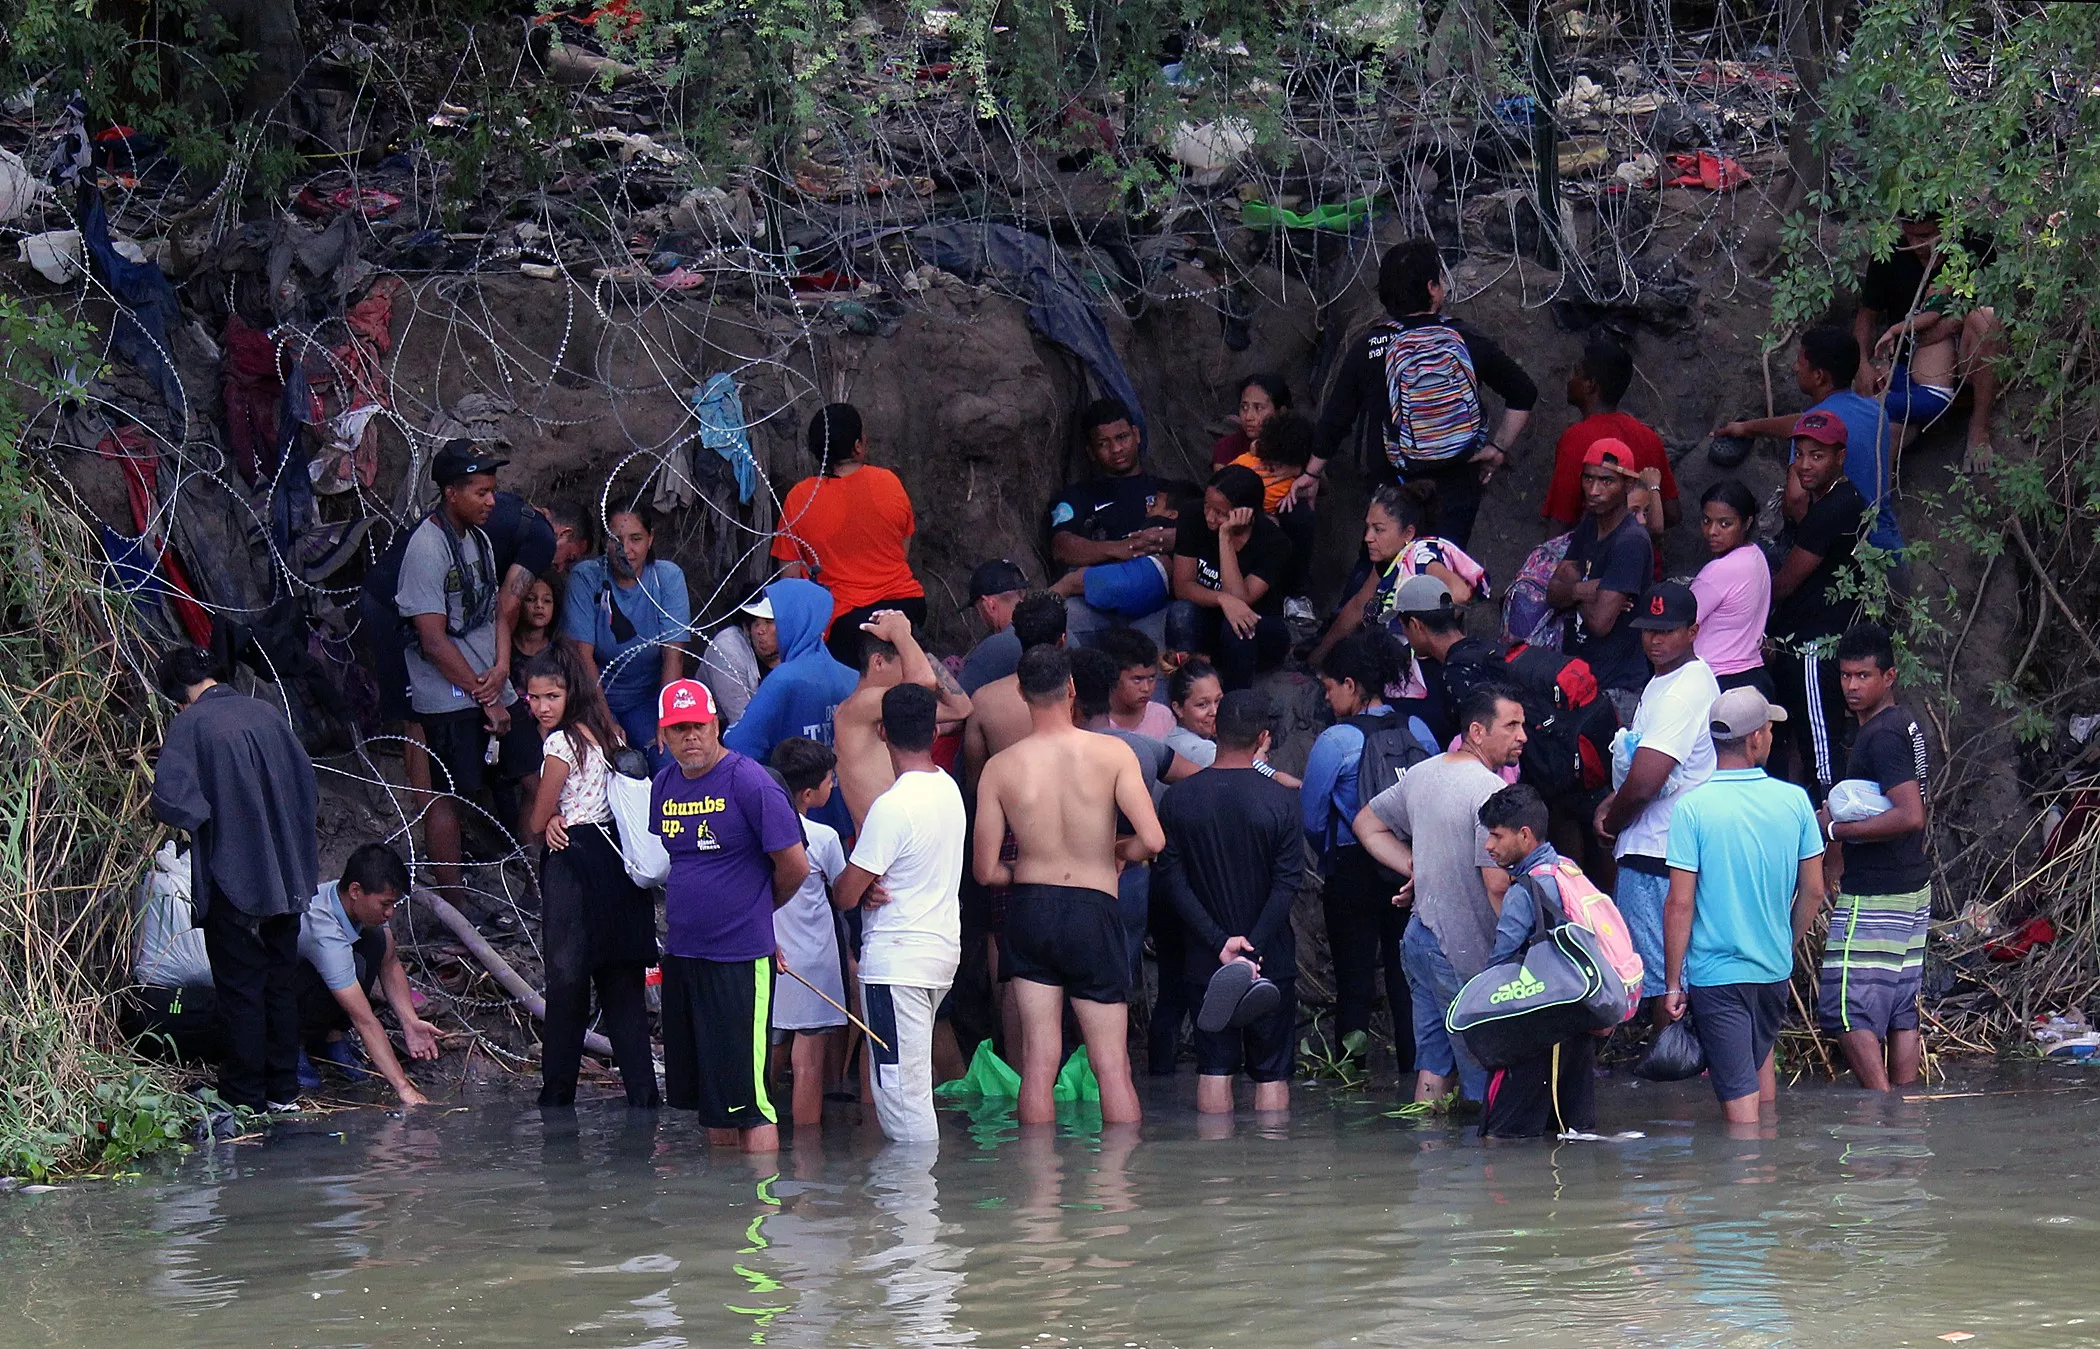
[{"x": 1734, "y": 590}]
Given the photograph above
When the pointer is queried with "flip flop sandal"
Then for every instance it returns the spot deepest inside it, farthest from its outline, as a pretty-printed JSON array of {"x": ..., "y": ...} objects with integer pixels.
[
  {"x": 1222, "y": 996},
  {"x": 1262, "y": 998}
]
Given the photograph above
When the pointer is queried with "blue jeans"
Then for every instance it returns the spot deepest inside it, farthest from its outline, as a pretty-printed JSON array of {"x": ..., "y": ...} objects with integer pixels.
[
  {"x": 636, "y": 713},
  {"x": 1084, "y": 624},
  {"x": 1640, "y": 899},
  {"x": 1134, "y": 902},
  {"x": 1434, "y": 985}
]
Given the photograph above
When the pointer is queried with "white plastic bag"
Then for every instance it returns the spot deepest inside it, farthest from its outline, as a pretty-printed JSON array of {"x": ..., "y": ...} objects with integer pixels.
[
  {"x": 170, "y": 951},
  {"x": 641, "y": 851},
  {"x": 1857, "y": 799}
]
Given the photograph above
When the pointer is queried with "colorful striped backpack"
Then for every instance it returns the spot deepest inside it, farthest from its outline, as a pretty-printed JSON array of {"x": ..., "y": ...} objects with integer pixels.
[{"x": 1434, "y": 396}]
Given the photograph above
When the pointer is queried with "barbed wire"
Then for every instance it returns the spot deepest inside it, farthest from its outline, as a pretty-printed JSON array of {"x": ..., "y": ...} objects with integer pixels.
[{"x": 1437, "y": 133}]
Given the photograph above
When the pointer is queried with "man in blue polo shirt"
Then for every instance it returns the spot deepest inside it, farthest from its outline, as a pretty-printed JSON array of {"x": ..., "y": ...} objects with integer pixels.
[
  {"x": 1743, "y": 849},
  {"x": 1823, "y": 368}
]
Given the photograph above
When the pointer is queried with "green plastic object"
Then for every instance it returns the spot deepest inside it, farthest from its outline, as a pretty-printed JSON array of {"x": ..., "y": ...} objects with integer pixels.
[
  {"x": 1076, "y": 1082},
  {"x": 1344, "y": 216},
  {"x": 989, "y": 1077}
]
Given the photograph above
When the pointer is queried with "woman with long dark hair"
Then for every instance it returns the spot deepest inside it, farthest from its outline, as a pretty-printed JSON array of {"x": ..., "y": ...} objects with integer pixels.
[
  {"x": 1734, "y": 590},
  {"x": 629, "y": 612},
  {"x": 1398, "y": 545},
  {"x": 1364, "y": 927},
  {"x": 597, "y": 926}
]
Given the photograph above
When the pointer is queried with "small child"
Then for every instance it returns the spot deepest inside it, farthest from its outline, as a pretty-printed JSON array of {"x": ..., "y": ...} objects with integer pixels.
[
  {"x": 1280, "y": 456},
  {"x": 806, "y": 930},
  {"x": 1555, "y": 1091}
]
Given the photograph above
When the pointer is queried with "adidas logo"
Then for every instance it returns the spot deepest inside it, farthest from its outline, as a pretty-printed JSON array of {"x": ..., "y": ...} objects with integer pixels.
[{"x": 1525, "y": 985}]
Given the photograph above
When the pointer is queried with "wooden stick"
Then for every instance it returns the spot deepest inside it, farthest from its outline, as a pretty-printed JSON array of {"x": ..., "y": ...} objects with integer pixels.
[{"x": 860, "y": 1024}]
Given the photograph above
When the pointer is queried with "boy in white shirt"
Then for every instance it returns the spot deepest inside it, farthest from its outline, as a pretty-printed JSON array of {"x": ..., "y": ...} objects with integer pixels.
[
  {"x": 905, "y": 871},
  {"x": 806, "y": 929}
]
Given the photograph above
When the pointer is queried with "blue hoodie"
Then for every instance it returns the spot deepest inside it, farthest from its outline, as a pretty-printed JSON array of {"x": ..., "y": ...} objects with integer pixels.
[{"x": 804, "y": 690}]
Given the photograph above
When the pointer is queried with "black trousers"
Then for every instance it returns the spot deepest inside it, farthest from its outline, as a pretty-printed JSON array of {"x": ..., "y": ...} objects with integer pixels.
[
  {"x": 845, "y": 635},
  {"x": 623, "y": 1001},
  {"x": 1170, "y": 1009},
  {"x": 1528, "y": 1100},
  {"x": 1238, "y": 659},
  {"x": 319, "y": 1012},
  {"x": 253, "y": 963},
  {"x": 597, "y": 931},
  {"x": 1818, "y": 725},
  {"x": 1363, "y": 935}
]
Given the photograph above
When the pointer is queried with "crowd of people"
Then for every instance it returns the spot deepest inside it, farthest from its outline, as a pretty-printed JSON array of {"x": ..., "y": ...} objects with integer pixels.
[{"x": 840, "y": 821}]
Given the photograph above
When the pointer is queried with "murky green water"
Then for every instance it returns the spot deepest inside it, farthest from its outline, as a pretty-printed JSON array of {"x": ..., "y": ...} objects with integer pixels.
[{"x": 1855, "y": 1222}]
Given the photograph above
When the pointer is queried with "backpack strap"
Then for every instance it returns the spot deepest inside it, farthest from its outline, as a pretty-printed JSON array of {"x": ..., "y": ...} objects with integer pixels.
[{"x": 1542, "y": 906}]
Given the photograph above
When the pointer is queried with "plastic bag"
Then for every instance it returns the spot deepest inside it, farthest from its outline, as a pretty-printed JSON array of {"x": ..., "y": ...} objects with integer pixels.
[
  {"x": 989, "y": 1076},
  {"x": 641, "y": 851},
  {"x": 1675, "y": 1055},
  {"x": 1857, "y": 799}
]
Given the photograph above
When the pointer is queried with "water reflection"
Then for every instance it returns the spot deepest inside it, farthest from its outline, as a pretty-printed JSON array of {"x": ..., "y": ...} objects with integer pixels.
[{"x": 1848, "y": 1218}]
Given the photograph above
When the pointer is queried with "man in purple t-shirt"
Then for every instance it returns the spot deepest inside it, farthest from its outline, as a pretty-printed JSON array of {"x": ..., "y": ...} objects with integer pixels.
[{"x": 736, "y": 855}]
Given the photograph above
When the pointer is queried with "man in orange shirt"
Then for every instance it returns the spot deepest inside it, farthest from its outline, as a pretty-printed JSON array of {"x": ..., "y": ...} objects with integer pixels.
[
  {"x": 848, "y": 529},
  {"x": 1599, "y": 381}
]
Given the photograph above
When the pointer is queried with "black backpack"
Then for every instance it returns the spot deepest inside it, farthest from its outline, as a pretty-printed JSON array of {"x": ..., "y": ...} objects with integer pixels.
[
  {"x": 1390, "y": 749},
  {"x": 1568, "y": 720}
]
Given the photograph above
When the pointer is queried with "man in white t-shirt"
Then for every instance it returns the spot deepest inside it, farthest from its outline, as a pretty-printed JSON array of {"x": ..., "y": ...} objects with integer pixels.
[
  {"x": 906, "y": 871},
  {"x": 1673, "y": 753}
]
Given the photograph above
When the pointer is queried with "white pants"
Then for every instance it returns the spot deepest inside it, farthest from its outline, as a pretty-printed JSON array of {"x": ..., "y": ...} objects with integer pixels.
[{"x": 903, "y": 1016}]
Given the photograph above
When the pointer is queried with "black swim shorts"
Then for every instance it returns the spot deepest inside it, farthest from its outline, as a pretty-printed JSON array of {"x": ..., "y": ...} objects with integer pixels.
[{"x": 1068, "y": 937}]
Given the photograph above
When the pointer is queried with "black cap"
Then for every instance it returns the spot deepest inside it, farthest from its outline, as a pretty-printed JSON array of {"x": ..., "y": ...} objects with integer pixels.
[
  {"x": 462, "y": 458},
  {"x": 997, "y": 577},
  {"x": 1666, "y": 607}
]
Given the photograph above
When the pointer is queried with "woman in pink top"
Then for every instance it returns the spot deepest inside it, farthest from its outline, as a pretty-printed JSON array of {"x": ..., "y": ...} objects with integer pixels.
[{"x": 1734, "y": 590}]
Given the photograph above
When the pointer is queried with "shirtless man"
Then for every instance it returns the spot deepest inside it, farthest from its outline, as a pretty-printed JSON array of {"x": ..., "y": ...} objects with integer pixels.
[
  {"x": 889, "y": 656},
  {"x": 1919, "y": 341},
  {"x": 998, "y": 715},
  {"x": 1060, "y": 788}
]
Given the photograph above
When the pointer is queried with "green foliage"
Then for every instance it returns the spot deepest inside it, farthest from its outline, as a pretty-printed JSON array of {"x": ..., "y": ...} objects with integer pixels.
[
  {"x": 1323, "y": 1061},
  {"x": 73, "y": 741},
  {"x": 1984, "y": 115}
]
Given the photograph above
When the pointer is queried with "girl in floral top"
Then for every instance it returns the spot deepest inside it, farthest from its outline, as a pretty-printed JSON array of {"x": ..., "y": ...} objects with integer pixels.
[{"x": 597, "y": 927}]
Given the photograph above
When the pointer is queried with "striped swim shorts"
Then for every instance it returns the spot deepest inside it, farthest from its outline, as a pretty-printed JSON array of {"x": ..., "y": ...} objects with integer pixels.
[{"x": 1874, "y": 963}]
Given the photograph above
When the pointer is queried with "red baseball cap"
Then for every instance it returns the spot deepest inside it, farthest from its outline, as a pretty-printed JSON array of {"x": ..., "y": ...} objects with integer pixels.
[
  {"x": 684, "y": 700},
  {"x": 1615, "y": 453},
  {"x": 1823, "y": 427}
]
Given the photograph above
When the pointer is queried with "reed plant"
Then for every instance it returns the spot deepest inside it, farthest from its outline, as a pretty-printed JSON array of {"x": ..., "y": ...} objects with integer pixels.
[{"x": 76, "y": 724}]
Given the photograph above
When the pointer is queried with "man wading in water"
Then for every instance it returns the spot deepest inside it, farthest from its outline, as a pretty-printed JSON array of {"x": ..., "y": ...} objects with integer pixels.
[{"x": 1059, "y": 789}]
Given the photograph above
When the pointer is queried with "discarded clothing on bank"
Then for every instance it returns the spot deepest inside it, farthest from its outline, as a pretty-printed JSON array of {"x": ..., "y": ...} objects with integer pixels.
[{"x": 148, "y": 309}]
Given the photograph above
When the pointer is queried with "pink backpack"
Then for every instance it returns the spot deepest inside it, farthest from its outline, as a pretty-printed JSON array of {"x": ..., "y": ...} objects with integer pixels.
[{"x": 1592, "y": 910}]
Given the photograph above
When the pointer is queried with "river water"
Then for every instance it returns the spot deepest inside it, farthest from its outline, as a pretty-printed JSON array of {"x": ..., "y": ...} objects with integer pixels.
[{"x": 1854, "y": 1221}]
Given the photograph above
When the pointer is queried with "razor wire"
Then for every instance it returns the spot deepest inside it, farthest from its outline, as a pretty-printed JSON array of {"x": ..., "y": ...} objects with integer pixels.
[{"x": 1442, "y": 148}]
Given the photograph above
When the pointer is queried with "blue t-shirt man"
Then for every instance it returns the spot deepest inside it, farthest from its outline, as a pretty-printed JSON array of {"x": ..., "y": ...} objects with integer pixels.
[
  {"x": 1746, "y": 834},
  {"x": 1868, "y": 456}
]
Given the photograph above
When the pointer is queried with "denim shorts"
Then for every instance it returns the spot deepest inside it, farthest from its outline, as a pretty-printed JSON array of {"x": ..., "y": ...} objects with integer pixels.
[
  {"x": 1640, "y": 899},
  {"x": 1434, "y": 985}
]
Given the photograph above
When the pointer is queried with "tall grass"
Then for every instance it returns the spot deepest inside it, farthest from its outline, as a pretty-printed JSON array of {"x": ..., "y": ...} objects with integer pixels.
[{"x": 76, "y": 724}]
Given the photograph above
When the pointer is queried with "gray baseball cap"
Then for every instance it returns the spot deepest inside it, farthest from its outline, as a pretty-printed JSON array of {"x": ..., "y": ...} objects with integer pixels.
[
  {"x": 1423, "y": 594},
  {"x": 1741, "y": 712}
]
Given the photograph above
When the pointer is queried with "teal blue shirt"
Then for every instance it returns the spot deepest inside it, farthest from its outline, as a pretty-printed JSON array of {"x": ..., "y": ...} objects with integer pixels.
[{"x": 1746, "y": 835}]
